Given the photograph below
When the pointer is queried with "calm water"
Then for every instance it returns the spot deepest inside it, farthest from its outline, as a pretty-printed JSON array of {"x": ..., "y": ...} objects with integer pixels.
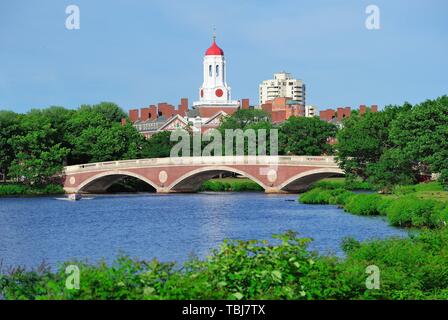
[{"x": 169, "y": 227}]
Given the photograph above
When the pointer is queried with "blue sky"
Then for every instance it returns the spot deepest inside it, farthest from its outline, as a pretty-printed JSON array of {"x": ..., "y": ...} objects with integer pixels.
[{"x": 137, "y": 53}]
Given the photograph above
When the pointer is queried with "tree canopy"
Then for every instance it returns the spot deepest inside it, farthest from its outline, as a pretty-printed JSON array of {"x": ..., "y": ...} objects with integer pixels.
[
  {"x": 400, "y": 145},
  {"x": 306, "y": 136}
]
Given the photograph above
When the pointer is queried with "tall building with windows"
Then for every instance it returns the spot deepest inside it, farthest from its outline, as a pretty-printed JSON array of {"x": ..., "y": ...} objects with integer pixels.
[{"x": 283, "y": 85}]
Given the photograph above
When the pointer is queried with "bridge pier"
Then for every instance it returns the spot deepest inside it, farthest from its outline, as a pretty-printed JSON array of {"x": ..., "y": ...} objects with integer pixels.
[{"x": 274, "y": 190}]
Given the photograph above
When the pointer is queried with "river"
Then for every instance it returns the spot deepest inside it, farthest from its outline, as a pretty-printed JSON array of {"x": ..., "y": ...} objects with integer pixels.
[{"x": 169, "y": 227}]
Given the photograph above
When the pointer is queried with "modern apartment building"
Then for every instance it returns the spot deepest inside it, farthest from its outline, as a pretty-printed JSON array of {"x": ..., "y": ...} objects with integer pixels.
[{"x": 283, "y": 85}]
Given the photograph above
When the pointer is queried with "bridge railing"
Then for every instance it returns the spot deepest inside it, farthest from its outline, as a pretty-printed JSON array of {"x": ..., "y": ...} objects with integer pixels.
[{"x": 223, "y": 160}]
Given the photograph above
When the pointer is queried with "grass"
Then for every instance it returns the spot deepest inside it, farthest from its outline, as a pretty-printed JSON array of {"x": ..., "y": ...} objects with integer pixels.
[{"x": 342, "y": 183}]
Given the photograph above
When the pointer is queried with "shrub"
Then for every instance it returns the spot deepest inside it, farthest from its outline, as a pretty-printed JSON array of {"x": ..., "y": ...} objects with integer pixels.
[
  {"x": 13, "y": 189},
  {"x": 22, "y": 190},
  {"x": 411, "y": 211},
  {"x": 230, "y": 185},
  {"x": 411, "y": 268},
  {"x": 325, "y": 196},
  {"x": 330, "y": 184},
  {"x": 363, "y": 204},
  {"x": 383, "y": 205}
]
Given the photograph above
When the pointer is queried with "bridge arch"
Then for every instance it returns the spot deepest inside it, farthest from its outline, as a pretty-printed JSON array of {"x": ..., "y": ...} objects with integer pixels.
[
  {"x": 102, "y": 181},
  {"x": 193, "y": 180},
  {"x": 304, "y": 180}
]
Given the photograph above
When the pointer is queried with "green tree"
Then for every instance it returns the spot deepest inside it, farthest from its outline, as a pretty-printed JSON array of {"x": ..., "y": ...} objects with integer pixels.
[
  {"x": 9, "y": 127},
  {"x": 112, "y": 142},
  {"x": 393, "y": 168},
  {"x": 38, "y": 152},
  {"x": 158, "y": 146},
  {"x": 422, "y": 135},
  {"x": 96, "y": 135},
  {"x": 363, "y": 140},
  {"x": 243, "y": 118},
  {"x": 306, "y": 136}
]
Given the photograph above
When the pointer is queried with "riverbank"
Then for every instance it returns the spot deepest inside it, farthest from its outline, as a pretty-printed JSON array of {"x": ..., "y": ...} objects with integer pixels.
[
  {"x": 18, "y": 190},
  {"x": 422, "y": 205}
]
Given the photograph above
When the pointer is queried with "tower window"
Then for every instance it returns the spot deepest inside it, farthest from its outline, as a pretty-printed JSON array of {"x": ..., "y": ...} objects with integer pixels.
[
  {"x": 217, "y": 70},
  {"x": 210, "y": 70}
]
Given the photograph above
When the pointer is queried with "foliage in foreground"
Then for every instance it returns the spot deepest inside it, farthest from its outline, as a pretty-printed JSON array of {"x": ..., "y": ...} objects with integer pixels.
[{"x": 411, "y": 268}]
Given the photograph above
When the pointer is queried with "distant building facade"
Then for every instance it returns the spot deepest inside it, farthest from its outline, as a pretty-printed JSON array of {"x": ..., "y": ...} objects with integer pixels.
[
  {"x": 160, "y": 117},
  {"x": 282, "y": 108},
  {"x": 337, "y": 115},
  {"x": 283, "y": 85}
]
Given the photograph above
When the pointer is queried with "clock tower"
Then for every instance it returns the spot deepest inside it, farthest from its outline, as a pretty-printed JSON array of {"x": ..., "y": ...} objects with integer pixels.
[{"x": 214, "y": 92}]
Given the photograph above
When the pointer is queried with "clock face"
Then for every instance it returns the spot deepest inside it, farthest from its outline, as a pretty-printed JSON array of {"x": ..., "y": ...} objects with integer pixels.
[{"x": 219, "y": 93}]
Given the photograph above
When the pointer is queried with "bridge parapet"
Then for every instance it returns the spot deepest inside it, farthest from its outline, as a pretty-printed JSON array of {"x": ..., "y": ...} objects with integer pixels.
[{"x": 327, "y": 161}]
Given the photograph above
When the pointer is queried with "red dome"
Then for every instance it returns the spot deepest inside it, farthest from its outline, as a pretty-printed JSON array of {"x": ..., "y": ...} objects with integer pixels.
[{"x": 214, "y": 50}]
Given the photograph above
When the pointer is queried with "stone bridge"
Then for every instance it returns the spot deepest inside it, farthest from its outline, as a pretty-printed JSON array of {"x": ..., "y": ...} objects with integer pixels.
[{"x": 275, "y": 174}]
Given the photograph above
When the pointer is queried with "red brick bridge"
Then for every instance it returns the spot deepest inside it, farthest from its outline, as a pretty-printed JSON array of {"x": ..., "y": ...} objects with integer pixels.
[{"x": 276, "y": 174}]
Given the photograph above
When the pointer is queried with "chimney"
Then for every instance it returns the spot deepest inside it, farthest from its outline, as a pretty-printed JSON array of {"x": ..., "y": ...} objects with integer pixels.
[
  {"x": 133, "y": 115},
  {"x": 183, "y": 107},
  {"x": 374, "y": 108},
  {"x": 244, "y": 103},
  {"x": 347, "y": 112},
  {"x": 362, "y": 109},
  {"x": 152, "y": 112},
  {"x": 340, "y": 114},
  {"x": 144, "y": 114}
]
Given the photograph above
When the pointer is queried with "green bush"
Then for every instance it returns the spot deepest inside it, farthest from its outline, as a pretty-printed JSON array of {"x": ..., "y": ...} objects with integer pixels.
[
  {"x": 23, "y": 190},
  {"x": 403, "y": 208},
  {"x": 412, "y": 211},
  {"x": 364, "y": 204},
  {"x": 230, "y": 185},
  {"x": 325, "y": 196},
  {"x": 13, "y": 189},
  {"x": 383, "y": 205},
  {"x": 330, "y": 184},
  {"x": 411, "y": 268}
]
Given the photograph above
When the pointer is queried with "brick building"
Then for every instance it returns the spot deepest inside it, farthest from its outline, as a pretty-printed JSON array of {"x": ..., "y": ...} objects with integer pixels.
[
  {"x": 282, "y": 108},
  {"x": 337, "y": 115}
]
